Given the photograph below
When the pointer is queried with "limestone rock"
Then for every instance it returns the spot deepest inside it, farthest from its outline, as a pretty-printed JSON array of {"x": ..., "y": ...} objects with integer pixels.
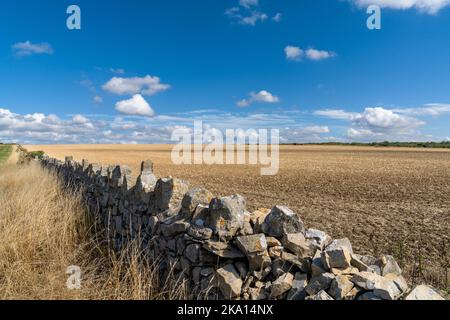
[
  {"x": 275, "y": 252},
  {"x": 229, "y": 281},
  {"x": 201, "y": 214},
  {"x": 339, "y": 244},
  {"x": 147, "y": 180},
  {"x": 252, "y": 244},
  {"x": 257, "y": 294},
  {"x": 336, "y": 258},
  {"x": 227, "y": 214},
  {"x": 320, "y": 282},
  {"x": 175, "y": 228},
  {"x": 297, "y": 244},
  {"x": 242, "y": 269},
  {"x": 280, "y": 267},
  {"x": 281, "y": 285},
  {"x": 348, "y": 271},
  {"x": 259, "y": 261},
  {"x": 272, "y": 242},
  {"x": 320, "y": 238},
  {"x": 223, "y": 249},
  {"x": 281, "y": 221},
  {"x": 374, "y": 269},
  {"x": 340, "y": 287},
  {"x": 382, "y": 287},
  {"x": 200, "y": 233},
  {"x": 303, "y": 264},
  {"x": 169, "y": 193},
  {"x": 424, "y": 292},
  {"x": 358, "y": 263},
  {"x": 317, "y": 267},
  {"x": 192, "y": 252},
  {"x": 365, "y": 280},
  {"x": 389, "y": 265},
  {"x": 121, "y": 177},
  {"x": 298, "y": 291},
  {"x": 195, "y": 197},
  {"x": 257, "y": 218},
  {"x": 321, "y": 295}
]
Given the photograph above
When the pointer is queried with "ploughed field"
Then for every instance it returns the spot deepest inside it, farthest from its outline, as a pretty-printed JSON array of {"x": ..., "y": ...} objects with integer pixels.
[{"x": 385, "y": 200}]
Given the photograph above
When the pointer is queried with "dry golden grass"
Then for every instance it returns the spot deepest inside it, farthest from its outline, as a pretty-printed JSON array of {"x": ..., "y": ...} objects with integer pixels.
[
  {"x": 44, "y": 230},
  {"x": 386, "y": 200}
]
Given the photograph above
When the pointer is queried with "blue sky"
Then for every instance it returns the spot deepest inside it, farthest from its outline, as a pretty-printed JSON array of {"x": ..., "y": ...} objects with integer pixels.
[{"x": 138, "y": 69}]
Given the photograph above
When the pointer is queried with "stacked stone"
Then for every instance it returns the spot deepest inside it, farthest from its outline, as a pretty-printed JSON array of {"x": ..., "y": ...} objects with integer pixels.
[{"x": 224, "y": 251}]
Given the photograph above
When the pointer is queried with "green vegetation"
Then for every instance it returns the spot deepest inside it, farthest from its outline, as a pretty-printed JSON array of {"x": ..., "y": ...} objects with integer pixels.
[
  {"x": 5, "y": 152},
  {"x": 26, "y": 156},
  {"x": 34, "y": 154},
  {"x": 443, "y": 144}
]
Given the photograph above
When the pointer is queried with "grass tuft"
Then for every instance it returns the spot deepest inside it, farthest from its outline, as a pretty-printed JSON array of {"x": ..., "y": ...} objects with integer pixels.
[{"x": 44, "y": 230}]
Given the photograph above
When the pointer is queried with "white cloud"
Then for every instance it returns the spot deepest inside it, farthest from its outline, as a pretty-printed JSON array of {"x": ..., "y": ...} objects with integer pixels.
[
  {"x": 294, "y": 53},
  {"x": 261, "y": 97},
  {"x": 79, "y": 119},
  {"x": 248, "y": 13},
  {"x": 38, "y": 127},
  {"x": 427, "y": 6},
  {"x": 317, "y": 55},
  {"x": 117, "y": 71},
  {"x": 98, "y": 99},
  {"x": 22, "y": 49},
  {"x": 432, "y": 109},
  {"x": 147, "y": 85},
  {"x": 362, "y": 134},
  {"x": 307, "y": 132},
  {"x": 253, "y": 18},
  {"x": 336, "y": 114},
  {"x": 248, "y": 3},
  {"x": 136, "y": 106},
  {"x": 277, "y": 17},
  {"x": 375, "y": 123}
]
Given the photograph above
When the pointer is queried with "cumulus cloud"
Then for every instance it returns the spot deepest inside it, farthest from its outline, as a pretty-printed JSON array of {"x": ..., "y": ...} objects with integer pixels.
[
  {"x": 117, "y": 71},
  {"x": 432, "y": 109},
  {"x": 248, "y": 12},
  {"x": 248, "y": 3},
  {"x": 261, "y": 97},
  {"x": 302, "y": 134},
  {"x": 79, "y": 119},
  {"x": 246, "y": 18},
  {"x": 277, "y": 17},
  {"x": 22, "y": 49},
  {"x": 427, "y": 6},
  {"x": 136, "y": 106},
  {"x": 294, "y": 53},
  {"x": 97, "y": 99},
  {"x": 147, "y": 85},
  {"x": 38, "y": 127},
  {"x": 336, "y": 114},
  {"x": 317, "y": 55},
  {"x": 375, "y": 123}
]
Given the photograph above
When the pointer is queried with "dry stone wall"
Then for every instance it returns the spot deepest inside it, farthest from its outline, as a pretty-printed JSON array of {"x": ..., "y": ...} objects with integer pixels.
[{"x": 222, "y": 250}]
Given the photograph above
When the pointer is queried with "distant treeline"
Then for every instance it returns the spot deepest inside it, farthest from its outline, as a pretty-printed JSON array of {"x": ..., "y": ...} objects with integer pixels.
[{"x": 443, "y": 144}]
